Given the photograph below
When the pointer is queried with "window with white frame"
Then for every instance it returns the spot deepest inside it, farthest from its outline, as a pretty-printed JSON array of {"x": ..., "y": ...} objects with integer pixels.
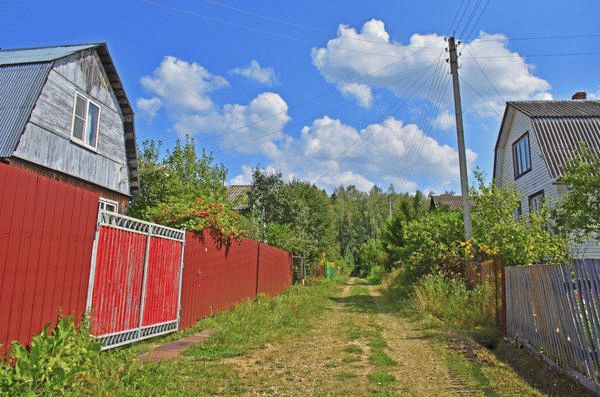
[
  {"x": 108, "y": 205},
  {"x": 522, "y": 156},
  {"x": 86, "y": 121},
  {"x": 536, "y": 201}
]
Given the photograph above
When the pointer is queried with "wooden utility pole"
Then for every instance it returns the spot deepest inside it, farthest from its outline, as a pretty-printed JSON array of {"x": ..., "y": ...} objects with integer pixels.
[{"x": 460, "y": 136}]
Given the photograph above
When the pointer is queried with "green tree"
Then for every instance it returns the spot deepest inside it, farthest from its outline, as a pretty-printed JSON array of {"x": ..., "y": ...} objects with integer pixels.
[
  {"x": 518, "y": 240},
  {"x": 578, "y": 213}
]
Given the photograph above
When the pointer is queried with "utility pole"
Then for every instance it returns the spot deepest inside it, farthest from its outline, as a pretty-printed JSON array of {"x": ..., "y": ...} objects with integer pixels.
[
  {"x": 460, "y": 136},
  {"x": 389, "y": 205}
]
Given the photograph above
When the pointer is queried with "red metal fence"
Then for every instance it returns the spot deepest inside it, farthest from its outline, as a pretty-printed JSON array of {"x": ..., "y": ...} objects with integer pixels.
[
  {"x": 135, "y": 279},
  {"x": 47, "y": 231},
  {"x": 46, "y": 237},
  {"x": 216, "y": 278}
]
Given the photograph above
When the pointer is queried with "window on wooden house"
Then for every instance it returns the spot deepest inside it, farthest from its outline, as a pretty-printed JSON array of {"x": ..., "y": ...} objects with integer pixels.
[
  {"x": 521, "y": 156},
  {"x": 518, "y": 212},
  {"x": 86, "y": 122},
  {"x": 108, "y": 205},
  {"x": 536, "y": 201}
]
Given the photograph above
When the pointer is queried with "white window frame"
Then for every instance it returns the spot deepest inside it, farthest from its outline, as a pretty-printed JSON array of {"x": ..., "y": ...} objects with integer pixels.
[
  {"x": 87, "y": 112},
  {"x": 103, "y": 202},
  {"x": 536, "y": 199}
]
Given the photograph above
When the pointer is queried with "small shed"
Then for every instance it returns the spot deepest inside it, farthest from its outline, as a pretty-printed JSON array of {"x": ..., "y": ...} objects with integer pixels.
[{"x": 446, "y": 201}]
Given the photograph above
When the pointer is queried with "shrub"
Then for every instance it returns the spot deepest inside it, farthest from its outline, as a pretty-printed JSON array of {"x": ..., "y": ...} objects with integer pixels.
[
  {"x": 449, "y": 300},
  {"x": 56, "y": 357}
]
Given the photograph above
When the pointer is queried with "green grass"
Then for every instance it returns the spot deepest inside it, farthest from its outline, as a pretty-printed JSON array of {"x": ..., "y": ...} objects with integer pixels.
[
  {"x": 353, "y": 349},
  {"x": 249, "y": 326},
  {"x": 381, "y": 378},
  {"x": 346, "y": 376}
]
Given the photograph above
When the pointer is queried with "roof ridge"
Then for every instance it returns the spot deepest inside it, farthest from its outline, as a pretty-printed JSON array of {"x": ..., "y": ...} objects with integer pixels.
[{"x": 50, "y": 46}]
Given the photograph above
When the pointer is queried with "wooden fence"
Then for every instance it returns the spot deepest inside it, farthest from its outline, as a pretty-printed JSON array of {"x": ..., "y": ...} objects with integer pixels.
[
  {"x": 555, "y": 310},
  {"x": 490, "y": 276}
]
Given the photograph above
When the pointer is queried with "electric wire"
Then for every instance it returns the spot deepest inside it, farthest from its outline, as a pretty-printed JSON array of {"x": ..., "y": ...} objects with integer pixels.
[
  {"x": 365, "y": 136},
  {"x": 476, "y": 23},
  {"x": 306, "y": 119},
  {"x": 473, "y": 11}
]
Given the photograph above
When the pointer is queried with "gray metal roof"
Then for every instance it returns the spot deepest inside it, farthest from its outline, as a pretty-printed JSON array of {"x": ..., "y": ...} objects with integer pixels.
[
  {"x": 23, "y": 73},
  {"x": 237, "y": 196},
  {"x": 41, "y": 54},
  {"x": 573, "y": 108},
  {"x": 20, "y": 86},
  {"x": 448, "y": 201},
  {"x": 560, "y": 139}
]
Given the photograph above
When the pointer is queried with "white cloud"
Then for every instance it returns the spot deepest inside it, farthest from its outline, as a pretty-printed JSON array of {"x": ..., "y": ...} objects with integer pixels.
[
  {"x": 330, "y": 153},
  {"x": 149, "y": 106},
  {"x": 396, "y": 66},
  {"x": 183, "y": 86},
  {"x": 360, "y": 92},
  {"x": 254, "y": 71},
  {"x": 444, "y": 120}
]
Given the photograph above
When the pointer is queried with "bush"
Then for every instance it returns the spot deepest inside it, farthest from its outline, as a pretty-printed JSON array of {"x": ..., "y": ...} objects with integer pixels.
[
  {"x": 56, "y": 357},
  {"x": 449, "y": 300}
]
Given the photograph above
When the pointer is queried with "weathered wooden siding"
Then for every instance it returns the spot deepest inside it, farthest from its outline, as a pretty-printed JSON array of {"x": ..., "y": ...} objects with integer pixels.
[
  {"x": 535, "y": 180},
  {"x": 46, "y": 140}
]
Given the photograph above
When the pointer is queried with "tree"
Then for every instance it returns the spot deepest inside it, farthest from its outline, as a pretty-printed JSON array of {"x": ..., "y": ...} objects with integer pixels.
[
  {"x": 519, "y": 241},
  {"x": 578, "y": 213},
  {"x": 185, "y": 190}
]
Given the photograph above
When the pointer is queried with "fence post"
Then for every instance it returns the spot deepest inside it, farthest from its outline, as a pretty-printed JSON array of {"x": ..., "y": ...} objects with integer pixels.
[
  {"x": 257, "y": 268},
  {"x": 502, "y": 275},
  {"x": 180, "y": 280},
  {"x": 144, "y": 280},
  {"x": 88, "y": 304}
]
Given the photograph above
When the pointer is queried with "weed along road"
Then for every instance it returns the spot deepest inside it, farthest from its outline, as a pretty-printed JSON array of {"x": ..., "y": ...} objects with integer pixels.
[{"x": 343, "y": 338}]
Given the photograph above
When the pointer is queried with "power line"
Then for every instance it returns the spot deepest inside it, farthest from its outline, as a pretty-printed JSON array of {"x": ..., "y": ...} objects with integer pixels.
[
  {"x": 365, "y": 136},
  {"x": 553, "y": 37},
  {"x": 304, "y": 120},
  {"x": 478, "y": 19},
  {"x": 273, "y": 34},
  {"x": 486, "y": 76},
  {"x": 480, "y": 95},
  {"x": 473, "y": 11},
  {"x": 564, "y": 54},
  {"x": 261, "y": 16},
  {"x": 335, "y": 89},
  {"x": 455, "y": 15}
]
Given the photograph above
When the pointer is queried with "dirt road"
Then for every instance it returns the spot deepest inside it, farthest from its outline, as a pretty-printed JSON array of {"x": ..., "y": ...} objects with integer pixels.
[{"x": 362, "y": 347}]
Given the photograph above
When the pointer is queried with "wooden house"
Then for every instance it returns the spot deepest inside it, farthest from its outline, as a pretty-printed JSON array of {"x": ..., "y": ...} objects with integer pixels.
[
  {"x": 64, "y": 114},
  {"x": 536, "y": 140}
]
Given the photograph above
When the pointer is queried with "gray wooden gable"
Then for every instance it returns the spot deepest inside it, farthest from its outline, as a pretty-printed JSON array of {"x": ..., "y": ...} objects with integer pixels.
[{"x": 35, "y": 124}]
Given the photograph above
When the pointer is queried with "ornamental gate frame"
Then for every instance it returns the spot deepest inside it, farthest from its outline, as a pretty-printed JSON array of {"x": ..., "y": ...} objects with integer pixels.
[{"x": 134, "y": 289}]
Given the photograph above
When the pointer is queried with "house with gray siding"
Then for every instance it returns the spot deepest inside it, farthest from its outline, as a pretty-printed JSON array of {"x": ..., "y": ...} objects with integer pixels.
[
  {"x": 537, "y": 139},
  {"x": 64, "y": 114}
]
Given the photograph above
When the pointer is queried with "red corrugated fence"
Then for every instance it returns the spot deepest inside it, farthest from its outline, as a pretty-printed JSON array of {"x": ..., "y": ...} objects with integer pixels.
[
  {"x": 216, "y": 278},
  {"x": 47, "y": 231},
  {"x": 46, "y": 236}
]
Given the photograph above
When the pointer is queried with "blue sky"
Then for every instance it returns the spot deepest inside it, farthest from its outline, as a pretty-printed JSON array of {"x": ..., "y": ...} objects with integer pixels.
[{"x": 335, "y": 92}]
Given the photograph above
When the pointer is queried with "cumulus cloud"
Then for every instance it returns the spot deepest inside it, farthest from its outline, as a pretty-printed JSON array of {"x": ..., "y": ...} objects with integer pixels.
[
  {"x": 182, "y": 86},
  {"x": 444, "y": 120},
  {"x": 185, "y": 89},
  {"x": 149, "y": 107},
  {"x": 254, "y": 71},
  {"x": 395, "y": 66},
  {"x": 331, "y": 153}
]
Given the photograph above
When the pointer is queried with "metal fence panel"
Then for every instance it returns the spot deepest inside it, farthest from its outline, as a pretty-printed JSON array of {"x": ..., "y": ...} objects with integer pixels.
[
  {"x": 135, "y": 279},
  {"x": 46, "y": 238},
  {"x": 555, "y": 310},
  {"x": 274, "y": 270},
  {"x": 215, "y": 278}
]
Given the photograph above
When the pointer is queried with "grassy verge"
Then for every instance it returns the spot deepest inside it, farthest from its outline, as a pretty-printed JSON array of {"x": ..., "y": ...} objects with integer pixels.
[
  {"x": 201, "y": 371},
  {"x": 477, "y": 358}
]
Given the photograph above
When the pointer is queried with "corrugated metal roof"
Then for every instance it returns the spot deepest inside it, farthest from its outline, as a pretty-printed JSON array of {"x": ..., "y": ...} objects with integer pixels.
[
  {"x": 20, "y": 86},
  {"x": 573, "y": 108},
  {"x": 41, "y": 54},
  {"x": 449, "y": 201},
  {"x": 560, "y": 139},
  {"x": 237, "y": 196}
]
